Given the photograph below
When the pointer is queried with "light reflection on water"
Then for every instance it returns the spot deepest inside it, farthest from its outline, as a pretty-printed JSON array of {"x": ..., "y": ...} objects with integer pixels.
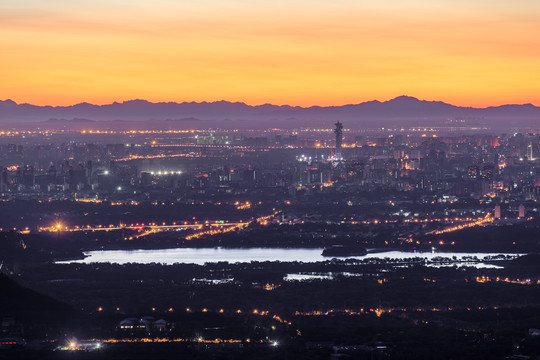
[
  {"x": 307, "y": 277},
  {"x": 317, "y": 276},
  {"x": 213, "y": 255},
  {"x": 478, "y": 265}
]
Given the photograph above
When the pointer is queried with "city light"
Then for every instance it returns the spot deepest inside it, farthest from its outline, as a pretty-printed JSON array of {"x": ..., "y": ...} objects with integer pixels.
[
  {"x": 270, "y": 179},
  {"x": 411, "y": 209}
]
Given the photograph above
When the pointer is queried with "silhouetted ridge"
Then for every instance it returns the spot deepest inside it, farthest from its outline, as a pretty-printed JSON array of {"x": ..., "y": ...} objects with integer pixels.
[{"x": 399, "y": 107}]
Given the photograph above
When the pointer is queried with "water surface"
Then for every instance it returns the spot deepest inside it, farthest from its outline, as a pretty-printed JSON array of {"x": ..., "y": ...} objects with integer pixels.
[{"x": 213, "y": 255}]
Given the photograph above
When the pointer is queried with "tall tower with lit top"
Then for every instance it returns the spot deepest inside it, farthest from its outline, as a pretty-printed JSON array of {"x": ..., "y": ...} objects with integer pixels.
[
  {"x": 339, "y": 139},
  {"x": 530, "y": 155}
]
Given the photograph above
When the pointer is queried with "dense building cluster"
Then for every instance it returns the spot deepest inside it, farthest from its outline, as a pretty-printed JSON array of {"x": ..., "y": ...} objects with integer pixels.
[{"x": 451, "y": 166}]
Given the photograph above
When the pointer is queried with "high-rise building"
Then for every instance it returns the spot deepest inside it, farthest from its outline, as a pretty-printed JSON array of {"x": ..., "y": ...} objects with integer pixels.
[
  {"x": 4, "y": 176},
  {"x": 487, "y": 172},
  {"x": 28, "y": 176},
  {"x": 339, "y": 138},
  {"x": 530, "y": 152},
  {"x": 521, "y": 211},
  {"x": 473, "y": 171},
  {"x": 497, "y": 211}
]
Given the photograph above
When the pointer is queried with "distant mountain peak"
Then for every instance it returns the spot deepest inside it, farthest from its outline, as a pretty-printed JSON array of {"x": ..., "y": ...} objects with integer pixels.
[
  {"x": 401, "y": 107},
  {"x": 404, "y": 99},
  {"x": 8, "y": 102}
]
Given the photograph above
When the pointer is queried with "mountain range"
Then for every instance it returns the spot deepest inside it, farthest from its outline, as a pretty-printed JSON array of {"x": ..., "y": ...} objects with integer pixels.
[{"x": 402, "y": 107}]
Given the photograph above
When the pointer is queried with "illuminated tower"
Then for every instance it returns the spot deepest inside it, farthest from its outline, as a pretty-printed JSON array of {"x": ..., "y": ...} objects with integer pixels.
[
  {"x": 339, "y": 139},
  {"x": 530, "y": 152}
]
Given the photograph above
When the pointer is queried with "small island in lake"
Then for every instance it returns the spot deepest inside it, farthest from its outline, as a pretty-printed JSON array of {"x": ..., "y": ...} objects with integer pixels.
[{"x": 341, "y": 251}]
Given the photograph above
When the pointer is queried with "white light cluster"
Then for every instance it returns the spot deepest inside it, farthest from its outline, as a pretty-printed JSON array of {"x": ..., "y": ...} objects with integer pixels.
[
  {"x": 158, "y": 173},
  {"x": 304, "y": 158}
]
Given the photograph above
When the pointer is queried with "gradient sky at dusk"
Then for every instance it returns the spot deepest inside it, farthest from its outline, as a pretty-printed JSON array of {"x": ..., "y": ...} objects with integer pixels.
[{"x": 299, "y": 52}]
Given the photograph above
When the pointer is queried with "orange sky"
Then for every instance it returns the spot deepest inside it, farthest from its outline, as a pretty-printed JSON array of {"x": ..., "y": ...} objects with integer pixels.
[{"x": 297, "y": 52}]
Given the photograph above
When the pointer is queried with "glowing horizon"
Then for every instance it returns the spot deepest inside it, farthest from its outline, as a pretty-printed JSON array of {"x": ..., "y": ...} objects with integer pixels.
[{"x": 302, "y": 53}]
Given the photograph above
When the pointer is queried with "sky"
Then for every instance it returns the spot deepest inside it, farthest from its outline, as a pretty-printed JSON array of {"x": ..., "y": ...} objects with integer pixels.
[{"x": 298, "y": 52}]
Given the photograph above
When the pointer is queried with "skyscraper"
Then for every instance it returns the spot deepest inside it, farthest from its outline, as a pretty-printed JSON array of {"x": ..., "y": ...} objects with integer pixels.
[
  {"x": 530, "y": 152},
  {"x": 497, "y": 211},
  {"x": 339, "y": 139},
  {"x": 521, "y": 211}
]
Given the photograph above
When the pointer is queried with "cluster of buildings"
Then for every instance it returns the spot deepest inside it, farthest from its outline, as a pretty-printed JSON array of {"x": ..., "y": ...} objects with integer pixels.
[{"x": 473, "y": 166}]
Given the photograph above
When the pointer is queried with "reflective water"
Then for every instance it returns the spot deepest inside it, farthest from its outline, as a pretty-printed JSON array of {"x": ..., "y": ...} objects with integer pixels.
[
  {"x": 307, "y": 277},
  {"x": 212, "y": 255},
  {"x": 318, "y": 276}
]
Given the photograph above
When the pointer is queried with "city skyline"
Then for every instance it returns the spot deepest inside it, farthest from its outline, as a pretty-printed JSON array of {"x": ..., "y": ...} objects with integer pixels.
[{"x": 475, "y": 53}]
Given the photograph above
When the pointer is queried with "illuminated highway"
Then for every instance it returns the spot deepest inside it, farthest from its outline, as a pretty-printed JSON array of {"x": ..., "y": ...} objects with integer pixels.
[{"x": 206, "y": 228}]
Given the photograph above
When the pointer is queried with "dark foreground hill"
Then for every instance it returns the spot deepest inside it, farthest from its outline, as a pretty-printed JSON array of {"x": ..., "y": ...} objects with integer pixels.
[{"x": 24, "y": 311}]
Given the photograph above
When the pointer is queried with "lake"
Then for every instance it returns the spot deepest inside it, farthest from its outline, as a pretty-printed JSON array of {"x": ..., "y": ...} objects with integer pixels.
[{"x": 201, "y": 256}]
